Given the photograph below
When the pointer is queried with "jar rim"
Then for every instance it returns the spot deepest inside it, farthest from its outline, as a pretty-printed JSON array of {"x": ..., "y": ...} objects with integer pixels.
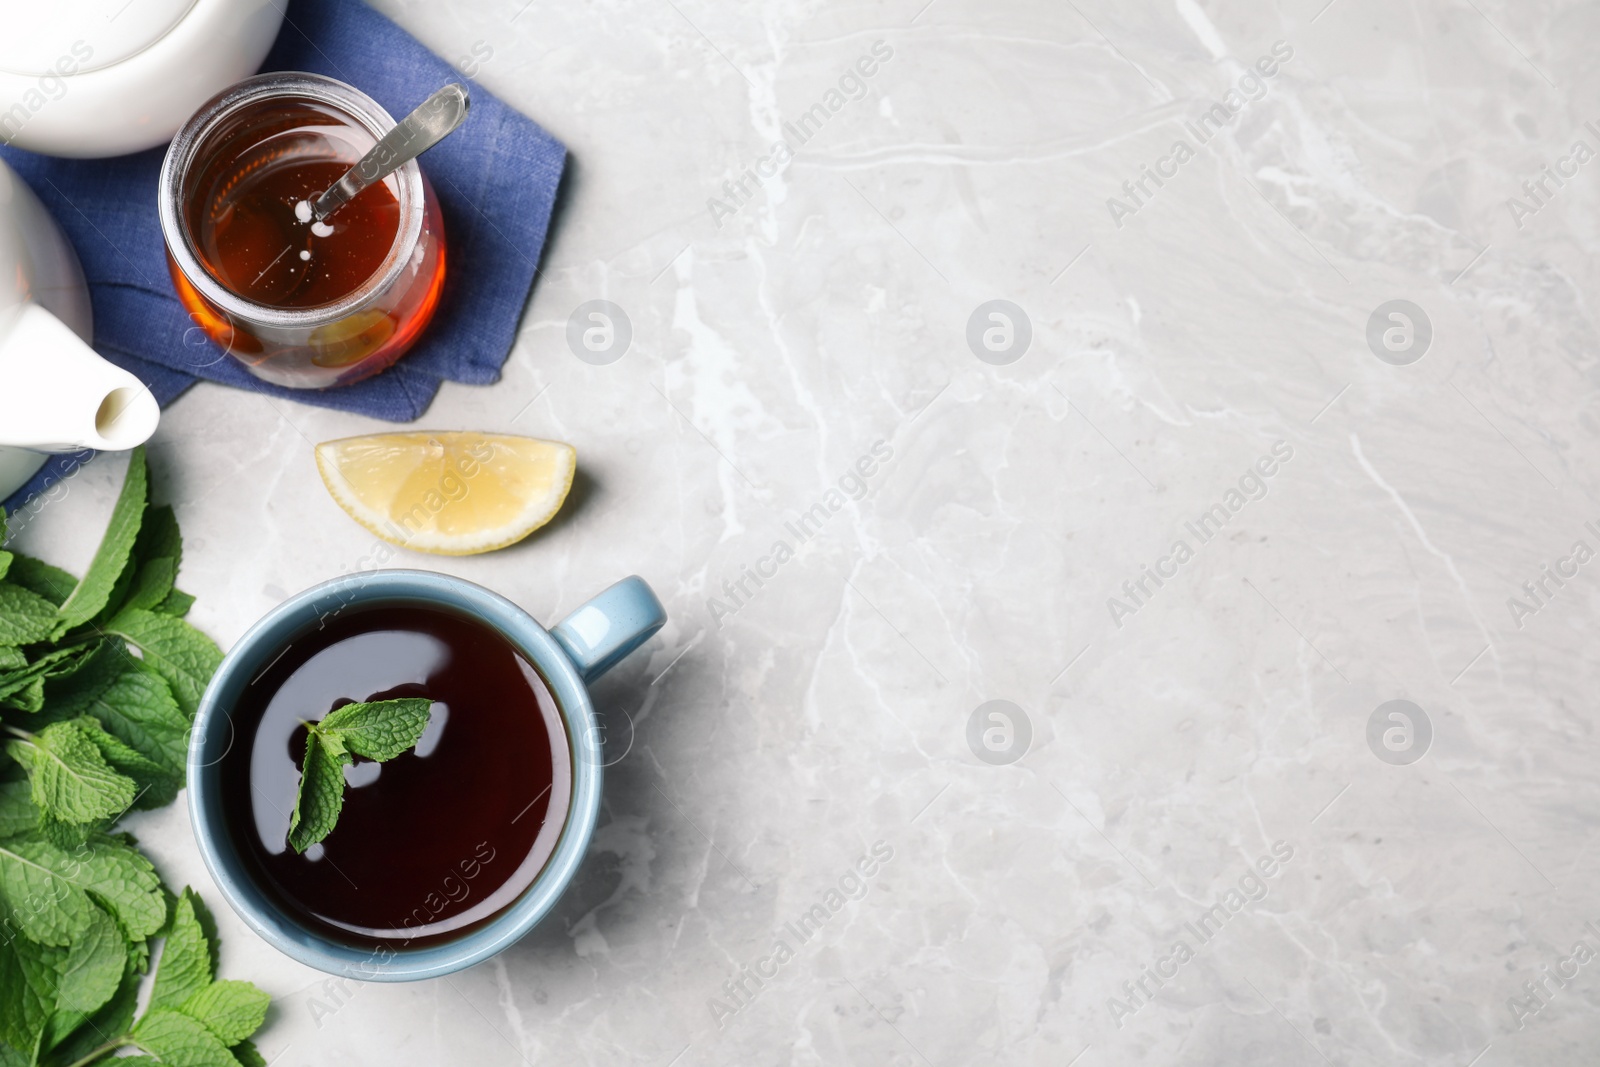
[{"x": 180, "y": 159}]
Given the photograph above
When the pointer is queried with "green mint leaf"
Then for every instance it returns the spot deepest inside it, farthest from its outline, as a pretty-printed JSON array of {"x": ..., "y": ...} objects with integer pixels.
[
  {"x": 103, "y": 664},
  {"x": 71, "y": 779},
  {"x": 159, "y": 537},
  {"x": 24, "y": 689},
  {"x": 93, "y": 593},
  {"x": 117, "y": 753},
  {"x": 178, "y": 652},
  {"x": 26, "y": 695},
  {"x": 180, "y": 1040},
  {"x": 118, "y": 594},
  {"x": 132, "y": 703},
  {"x": 208, "y": 926},
  {"x": 158, "y": 553},
  {"x": 139, "y": 957},
  {"x": 93, "y": 968},
  {"x": 177, "y": 604},
  {"x": 231, "y": 1010},
  {"x": 40, "y": 578},
  {"x": 49, "y": 888},
  {"x": 185, "y": 966},
  {"x": 29, "y": 976},
  {"x": 43, "y": 903},
  {"x": 22, "y": 616},
  {"x": 103, "y": 867},
  {"x": 321, "y": 793},
  {"x": 17, "y": 813},
  {"x": 157, "y": 785},
  {"x": 379, "y": 730},
  {"x": 67, "y": 836},
  {"x": 11, "y": 658},
  {"x": 5, "y": 558},
  {"x": 111, "y": 870},
  {"x": 59, "y": 662},
  {"x": 152, "y": 584},
  {"x": 245, "y": 1053},
  {"x": 115, "y": 1017}
]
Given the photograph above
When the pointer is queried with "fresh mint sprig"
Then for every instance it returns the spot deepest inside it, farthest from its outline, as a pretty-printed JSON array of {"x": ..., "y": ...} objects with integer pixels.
[
  {"x": 379, "y": 730},
  {"x": 99, "y": 681},
  {"x": 192, "y": 1018},
  {"x": 96, "y": 728}
]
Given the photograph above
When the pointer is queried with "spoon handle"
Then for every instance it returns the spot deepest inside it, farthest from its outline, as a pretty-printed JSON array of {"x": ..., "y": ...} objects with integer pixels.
[{"x": 431, "y": 122}]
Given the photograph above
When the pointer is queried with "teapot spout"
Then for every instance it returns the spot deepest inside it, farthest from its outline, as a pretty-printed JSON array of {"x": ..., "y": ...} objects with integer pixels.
[{"x": 58, "y": 395}]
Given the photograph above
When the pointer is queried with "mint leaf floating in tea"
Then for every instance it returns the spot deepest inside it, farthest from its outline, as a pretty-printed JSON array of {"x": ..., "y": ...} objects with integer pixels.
[
  {"x": 379, "y": 730},
  {"x": 320, "y": 797}
]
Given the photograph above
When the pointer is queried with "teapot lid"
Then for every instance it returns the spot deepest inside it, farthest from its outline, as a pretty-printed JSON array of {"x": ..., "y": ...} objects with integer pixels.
[{"x": 76, "y": 36}]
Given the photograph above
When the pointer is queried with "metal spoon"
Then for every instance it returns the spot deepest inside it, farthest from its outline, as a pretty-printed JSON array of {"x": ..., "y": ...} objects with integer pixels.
[{"x": 433, "y": 120}]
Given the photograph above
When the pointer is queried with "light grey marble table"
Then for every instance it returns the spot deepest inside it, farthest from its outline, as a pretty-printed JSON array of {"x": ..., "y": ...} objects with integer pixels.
[{"x": 1196, "y": 502}]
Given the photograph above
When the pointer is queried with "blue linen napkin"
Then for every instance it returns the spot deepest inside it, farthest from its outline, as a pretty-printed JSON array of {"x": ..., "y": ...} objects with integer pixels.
[{"x": 495, "y": 177}]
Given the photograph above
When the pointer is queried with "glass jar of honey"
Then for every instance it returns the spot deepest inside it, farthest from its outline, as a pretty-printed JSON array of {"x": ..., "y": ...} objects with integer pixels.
[{"x": 302, "y": 304}]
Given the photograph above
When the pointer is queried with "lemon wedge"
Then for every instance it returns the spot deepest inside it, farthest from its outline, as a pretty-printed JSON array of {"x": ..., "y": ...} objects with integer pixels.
[{"x": 452, "y": 494}]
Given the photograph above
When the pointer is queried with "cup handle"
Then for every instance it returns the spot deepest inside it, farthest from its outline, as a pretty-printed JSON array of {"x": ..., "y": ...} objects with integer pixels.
[{"x": 604, "y": 629}]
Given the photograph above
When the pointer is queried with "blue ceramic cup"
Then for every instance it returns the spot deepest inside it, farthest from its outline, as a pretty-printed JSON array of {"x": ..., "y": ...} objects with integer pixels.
[{"x": 579, "y": 649}]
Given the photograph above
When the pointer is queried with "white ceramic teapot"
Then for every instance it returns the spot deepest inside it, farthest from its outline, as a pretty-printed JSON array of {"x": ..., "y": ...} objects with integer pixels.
[
  {"x": 104, "y": 77},
  {"x": 56, "y": 394}
]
